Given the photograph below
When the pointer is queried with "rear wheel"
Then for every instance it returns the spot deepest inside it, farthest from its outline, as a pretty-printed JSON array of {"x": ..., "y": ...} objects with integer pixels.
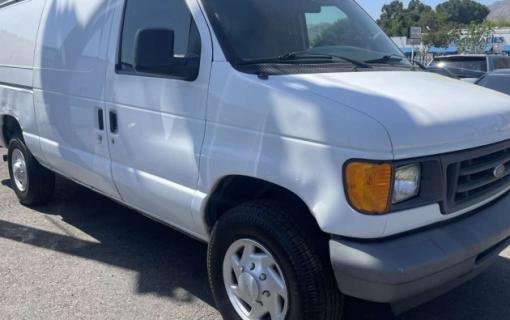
[
  {"x": 32, "y": 183},
  {"x": 265, "y": 265}
]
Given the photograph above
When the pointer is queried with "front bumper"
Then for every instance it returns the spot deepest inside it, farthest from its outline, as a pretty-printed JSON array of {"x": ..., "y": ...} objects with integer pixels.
[{"x": 413, "y": 268}]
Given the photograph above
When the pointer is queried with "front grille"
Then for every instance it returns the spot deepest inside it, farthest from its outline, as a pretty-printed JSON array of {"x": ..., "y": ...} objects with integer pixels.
[{"x": 476, "y": 175}]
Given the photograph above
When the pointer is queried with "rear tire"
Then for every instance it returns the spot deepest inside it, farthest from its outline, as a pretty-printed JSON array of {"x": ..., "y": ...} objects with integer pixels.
[
  {"x": 32, "y": 183},
  {"x": 295, "y": 250}
]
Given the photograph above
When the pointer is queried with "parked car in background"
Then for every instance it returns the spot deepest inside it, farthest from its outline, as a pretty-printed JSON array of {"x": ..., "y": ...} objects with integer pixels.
[
  {"x": 442, "y": 71},
  {"x": 498, "y": 80},
  {"x": 292, "y": 136},
  {"x": 470, "y": 67}
]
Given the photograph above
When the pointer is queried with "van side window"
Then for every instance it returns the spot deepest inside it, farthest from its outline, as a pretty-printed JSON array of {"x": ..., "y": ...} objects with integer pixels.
[{"x": 161, "y": 14}]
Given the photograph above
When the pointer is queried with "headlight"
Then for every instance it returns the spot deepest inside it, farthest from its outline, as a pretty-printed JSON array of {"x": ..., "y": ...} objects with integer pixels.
[
  {"x": 407, "y": 183},
  {"x": 368, "y": 186},
  {"x": 373, "y": 187}
]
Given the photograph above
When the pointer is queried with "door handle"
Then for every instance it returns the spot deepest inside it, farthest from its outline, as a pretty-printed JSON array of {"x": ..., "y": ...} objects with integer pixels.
[
  {"x": 114, "y": 126},
  {"x": 100, "y": 119}
]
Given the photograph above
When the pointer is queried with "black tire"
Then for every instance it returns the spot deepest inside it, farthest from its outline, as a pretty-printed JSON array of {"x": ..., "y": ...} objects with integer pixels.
[
  {"x": 40, "y": 181},
  {"x": 296, "y": 247}
]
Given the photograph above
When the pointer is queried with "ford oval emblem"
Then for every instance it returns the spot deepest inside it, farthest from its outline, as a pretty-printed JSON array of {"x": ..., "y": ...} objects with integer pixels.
[{"x": 499, "y": 171}]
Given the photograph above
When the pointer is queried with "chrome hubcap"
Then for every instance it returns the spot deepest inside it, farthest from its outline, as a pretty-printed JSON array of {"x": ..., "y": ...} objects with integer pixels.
[
  {"x": 254, "y": 282},
  {"x": 19, "y": 170}
]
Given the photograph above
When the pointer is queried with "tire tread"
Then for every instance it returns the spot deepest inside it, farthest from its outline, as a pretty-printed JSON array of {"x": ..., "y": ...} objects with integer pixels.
[
  {"x": 323, "y": 300},
  {"x": 41, "y": 180}
]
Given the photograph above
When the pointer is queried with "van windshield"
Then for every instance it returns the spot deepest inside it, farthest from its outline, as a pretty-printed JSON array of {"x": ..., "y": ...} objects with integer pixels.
[{"x": 301, "y": 31}]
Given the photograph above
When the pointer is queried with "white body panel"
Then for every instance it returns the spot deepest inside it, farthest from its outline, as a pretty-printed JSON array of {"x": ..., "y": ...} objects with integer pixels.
[
  {"x": 155, "y": 157},
  {"x": 423, "y": 113},
  {"x": 176, "y": 140},
  {"x": 292, "y": 138},
  {"x": 69, "y": 81},
  {"x": 17, "y": 39},
  {"x": 19, "y": 24},
  {"x": 300, "y": 129}
]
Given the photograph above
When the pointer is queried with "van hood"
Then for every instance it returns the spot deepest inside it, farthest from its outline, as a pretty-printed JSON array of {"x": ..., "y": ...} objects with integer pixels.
[{"x": 423, "y": 113}]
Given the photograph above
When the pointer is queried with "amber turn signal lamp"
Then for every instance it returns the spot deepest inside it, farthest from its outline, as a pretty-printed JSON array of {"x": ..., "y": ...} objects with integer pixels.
[{"x": 368, "y": 186}]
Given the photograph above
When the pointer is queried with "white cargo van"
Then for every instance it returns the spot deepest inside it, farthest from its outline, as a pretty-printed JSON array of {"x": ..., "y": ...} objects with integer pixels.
[{"x": 290, "y": 135}]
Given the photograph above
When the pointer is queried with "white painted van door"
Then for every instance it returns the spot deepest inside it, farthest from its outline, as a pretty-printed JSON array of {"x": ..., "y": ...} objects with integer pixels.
[
  {"x": 156, "y": 122},
  {"x": 69, "y": 80}
]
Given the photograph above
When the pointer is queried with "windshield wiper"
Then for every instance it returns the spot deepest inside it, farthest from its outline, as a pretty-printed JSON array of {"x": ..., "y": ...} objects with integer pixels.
[
  {"x": 306, "y": 55},
  {"x": 386, "y": 59},
  {"x": 303, "y": 55}
]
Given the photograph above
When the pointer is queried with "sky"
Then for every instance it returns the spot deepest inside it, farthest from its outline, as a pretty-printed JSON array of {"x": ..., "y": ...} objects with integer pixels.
[{"x": 374, "y": 6}]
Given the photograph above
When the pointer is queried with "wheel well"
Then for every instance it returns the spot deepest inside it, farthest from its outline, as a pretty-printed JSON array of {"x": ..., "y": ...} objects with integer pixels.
[
  {"x": 231, "y": 191},
  {"x": 10, "y": 129}
]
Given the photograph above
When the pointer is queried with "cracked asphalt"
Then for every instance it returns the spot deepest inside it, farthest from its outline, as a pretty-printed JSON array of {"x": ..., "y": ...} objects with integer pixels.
[{"x": 83, "y": 256}]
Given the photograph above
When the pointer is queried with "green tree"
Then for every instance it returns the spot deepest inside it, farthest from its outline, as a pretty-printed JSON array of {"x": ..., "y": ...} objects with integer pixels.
[
  {"x": 441, "y": 26},
  {"x": 475, "y": 38},
  {"x": 463, "y": 12},
  {"x": 416, "y": 12},
  {"x": 437, "y": 30},
  {"x": 393, "y": 19},
  {"x": 501, "y": 23},
  {"x": 396, "y": 20},
  {"x": 440, "y": 38}
]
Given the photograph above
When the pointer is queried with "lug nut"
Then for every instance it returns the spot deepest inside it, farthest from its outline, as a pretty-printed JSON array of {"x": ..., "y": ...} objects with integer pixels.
[
  {"x": 266, "y": 294},
  {"x": 263, "y": 277},
  {"x": 252, "y": 266},
  {"x": 242, "y": 269}
]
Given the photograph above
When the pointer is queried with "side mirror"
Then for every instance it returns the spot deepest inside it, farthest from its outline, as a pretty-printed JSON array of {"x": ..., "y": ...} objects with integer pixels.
[
  {"x": 154, "y": 54},
  {"x": 154, "y": 50}
]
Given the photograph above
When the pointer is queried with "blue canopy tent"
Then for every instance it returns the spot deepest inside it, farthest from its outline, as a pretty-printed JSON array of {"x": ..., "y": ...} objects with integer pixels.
[
  {"x": 452, "y": 49},
  {"x": 437, "y": 51},
  {"x": 407, "y": 51},
  {"x": 488, "y": 48}
]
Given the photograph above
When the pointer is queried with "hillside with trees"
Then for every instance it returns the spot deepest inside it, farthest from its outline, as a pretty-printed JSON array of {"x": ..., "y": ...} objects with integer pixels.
[
  {"x": 500, "y": 10},
  {"x": 441, "y": 25}
]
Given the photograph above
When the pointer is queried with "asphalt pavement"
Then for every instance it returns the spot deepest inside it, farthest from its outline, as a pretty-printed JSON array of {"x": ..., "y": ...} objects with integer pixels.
[{"x": 83, "y": 256}]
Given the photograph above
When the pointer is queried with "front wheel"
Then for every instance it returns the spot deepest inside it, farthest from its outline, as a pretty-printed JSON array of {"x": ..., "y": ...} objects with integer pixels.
[{"x": 264, "y": 265}]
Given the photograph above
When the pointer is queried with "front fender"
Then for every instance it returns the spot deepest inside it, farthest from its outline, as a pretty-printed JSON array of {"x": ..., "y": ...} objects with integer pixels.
[
  {"x": 310, "y": 170},
  {"x": 290, "y": 137}
]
